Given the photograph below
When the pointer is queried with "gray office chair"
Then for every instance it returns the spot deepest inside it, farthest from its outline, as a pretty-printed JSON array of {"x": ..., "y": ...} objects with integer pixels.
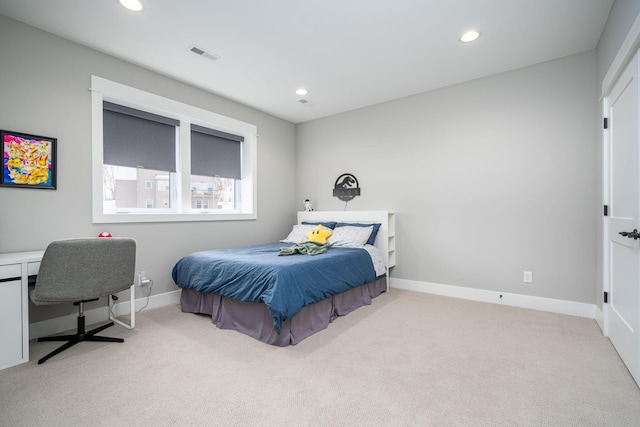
[{"x": 82, "y": 270}]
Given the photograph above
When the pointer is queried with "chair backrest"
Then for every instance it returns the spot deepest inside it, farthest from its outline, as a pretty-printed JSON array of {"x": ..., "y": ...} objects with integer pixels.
[{"x": 88, "y": 268}]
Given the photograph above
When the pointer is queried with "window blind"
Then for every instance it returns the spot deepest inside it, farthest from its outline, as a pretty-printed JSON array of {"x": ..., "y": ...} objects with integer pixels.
[
  {"x": 135, "y": 138},
  {"x": 215, "y": 153}
]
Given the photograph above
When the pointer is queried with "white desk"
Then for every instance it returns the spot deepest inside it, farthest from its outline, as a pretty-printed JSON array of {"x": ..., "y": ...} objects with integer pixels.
[{"x": 15, "y": 269}]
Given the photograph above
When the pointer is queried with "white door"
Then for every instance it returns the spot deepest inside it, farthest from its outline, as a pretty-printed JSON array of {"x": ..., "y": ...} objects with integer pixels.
[{"x": 622, "y": 311}]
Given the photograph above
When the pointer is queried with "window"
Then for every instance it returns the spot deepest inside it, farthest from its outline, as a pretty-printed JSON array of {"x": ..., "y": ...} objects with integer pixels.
[
  {"x": 215, "y": 167},
  {"x": 155, "y": 159}
]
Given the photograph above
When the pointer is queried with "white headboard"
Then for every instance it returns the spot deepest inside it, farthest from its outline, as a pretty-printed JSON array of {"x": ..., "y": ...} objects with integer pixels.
[{"x": 385, "y": 240}]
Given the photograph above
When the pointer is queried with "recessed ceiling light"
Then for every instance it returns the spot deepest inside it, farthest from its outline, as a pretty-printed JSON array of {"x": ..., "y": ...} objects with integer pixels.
[
  {"x": 134, "y": 5},
  {"x": 469, "y": 36},
  {"x": 302, "y": 91}
]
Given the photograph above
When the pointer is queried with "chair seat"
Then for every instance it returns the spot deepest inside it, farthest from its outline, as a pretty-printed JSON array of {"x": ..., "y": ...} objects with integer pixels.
[{"x": 43, "y": 302}]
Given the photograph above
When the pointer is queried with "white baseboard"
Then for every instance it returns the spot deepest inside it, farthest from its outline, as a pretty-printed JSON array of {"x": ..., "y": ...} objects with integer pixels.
[
  {"x": 516, "y": 300},
  {"x": 96, "y": 315},
  {"x": 599, "y": 316}
]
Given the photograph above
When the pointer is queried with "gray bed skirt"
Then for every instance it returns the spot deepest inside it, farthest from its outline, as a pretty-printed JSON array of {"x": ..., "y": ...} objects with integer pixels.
[{"x": 253, "y": 319}]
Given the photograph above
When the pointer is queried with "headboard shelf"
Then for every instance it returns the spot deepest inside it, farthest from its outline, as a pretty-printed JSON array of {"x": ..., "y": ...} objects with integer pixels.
[{"x": 386, "y": 238}]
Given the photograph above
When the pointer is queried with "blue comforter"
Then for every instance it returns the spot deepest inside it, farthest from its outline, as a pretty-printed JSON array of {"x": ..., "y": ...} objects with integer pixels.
[{"x": 284, "y": 283}]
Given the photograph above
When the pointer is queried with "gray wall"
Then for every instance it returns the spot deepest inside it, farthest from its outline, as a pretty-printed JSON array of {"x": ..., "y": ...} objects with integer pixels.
[
  {"x": 488, "y": 178},
  {"x": 621, "y": 17},
  {"x": 44, "y": 89}
]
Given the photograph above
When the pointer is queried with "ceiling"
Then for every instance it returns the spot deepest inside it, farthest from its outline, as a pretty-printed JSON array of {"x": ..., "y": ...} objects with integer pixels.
[{"x": 347, "y": 53}]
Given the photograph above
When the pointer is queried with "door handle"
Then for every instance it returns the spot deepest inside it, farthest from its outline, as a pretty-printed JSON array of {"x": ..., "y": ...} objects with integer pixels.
[{"x": 630, "y": 234}]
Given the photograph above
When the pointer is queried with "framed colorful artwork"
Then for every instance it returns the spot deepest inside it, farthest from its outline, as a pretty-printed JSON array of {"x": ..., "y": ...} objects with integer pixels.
[{"x": 28, "y": 161}]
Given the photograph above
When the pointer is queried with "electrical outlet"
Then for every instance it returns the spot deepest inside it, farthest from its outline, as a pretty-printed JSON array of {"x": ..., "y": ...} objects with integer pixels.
[
  {"x": 143, "y": 280},
  {"x": 528, "y": 277}
]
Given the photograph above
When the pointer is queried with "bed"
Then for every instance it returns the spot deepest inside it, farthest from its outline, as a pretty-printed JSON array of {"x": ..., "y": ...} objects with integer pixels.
[{"x": 282, "y": 299}]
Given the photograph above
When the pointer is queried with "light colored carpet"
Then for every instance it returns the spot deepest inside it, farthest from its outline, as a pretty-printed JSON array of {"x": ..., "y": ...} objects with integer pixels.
[{"x": 409, "y": 359}]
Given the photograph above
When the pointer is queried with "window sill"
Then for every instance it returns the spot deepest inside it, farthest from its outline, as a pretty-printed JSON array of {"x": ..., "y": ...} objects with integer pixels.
[{"x": 163, "y": 217}]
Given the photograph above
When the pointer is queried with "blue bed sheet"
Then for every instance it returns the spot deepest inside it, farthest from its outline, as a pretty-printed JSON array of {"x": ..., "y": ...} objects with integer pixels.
[{"x": 284, "y": 283}]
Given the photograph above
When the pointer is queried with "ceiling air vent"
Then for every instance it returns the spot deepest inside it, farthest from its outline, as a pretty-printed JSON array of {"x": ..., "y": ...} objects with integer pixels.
[
  {"x": 302, "y": 101},
  {"x": 199, "y": 51}
]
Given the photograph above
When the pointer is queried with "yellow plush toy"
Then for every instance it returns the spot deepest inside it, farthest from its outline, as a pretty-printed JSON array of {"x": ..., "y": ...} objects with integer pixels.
[{"x": 319, "y": 235}]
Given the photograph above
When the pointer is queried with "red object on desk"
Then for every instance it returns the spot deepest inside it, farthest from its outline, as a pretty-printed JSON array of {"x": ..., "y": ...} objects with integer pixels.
[{"x": 104, "y": 234}]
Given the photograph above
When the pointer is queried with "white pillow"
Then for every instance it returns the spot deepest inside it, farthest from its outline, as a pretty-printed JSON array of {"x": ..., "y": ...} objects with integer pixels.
[
  {"x": 298, "y": 232},
  {"x": 350, "y": 237}
]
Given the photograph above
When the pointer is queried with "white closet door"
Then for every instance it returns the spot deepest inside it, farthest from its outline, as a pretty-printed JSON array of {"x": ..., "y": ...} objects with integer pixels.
[{"x": 623, "y": 242}]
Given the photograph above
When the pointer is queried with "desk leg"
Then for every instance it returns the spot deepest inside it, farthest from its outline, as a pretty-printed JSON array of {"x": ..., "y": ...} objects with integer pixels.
[{"x": 132, "y": 301}]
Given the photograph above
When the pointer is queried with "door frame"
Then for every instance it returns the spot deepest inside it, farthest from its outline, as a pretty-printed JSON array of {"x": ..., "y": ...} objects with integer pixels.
[{"x": 606, "y": 201}]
